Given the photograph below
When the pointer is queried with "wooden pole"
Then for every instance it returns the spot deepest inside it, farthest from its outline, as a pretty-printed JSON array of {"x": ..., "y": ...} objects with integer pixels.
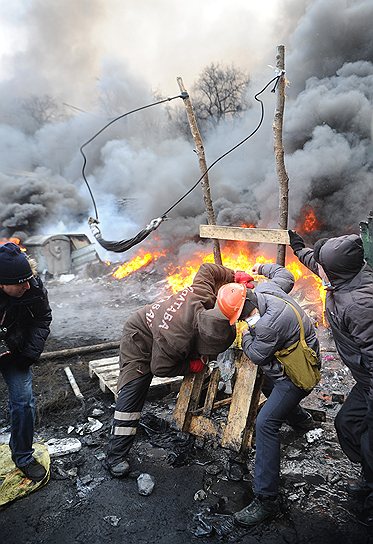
[
  {"x": 282, "y": 176},
  {"x": 203, "y": 167},
  {"x": 79, "y": 350}
]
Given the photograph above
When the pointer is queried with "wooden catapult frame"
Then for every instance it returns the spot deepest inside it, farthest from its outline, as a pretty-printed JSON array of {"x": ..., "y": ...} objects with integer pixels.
[{"x": 195, "y": 405}]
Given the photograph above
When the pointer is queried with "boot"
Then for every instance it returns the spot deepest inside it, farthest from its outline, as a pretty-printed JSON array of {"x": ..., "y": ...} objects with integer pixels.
[
  {"x": 258, "y": 510},
  {"x": 306, "y": 424},
  {"x": 34, "y": 471},
  {"x": 366, "y": 517},
  {"x": 358, "y": 489},
  {"x": 119, "y": 470}
]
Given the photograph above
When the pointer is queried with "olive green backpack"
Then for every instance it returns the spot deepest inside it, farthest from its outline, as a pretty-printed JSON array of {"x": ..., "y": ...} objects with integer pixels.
[{"x": 300, "y": 362}]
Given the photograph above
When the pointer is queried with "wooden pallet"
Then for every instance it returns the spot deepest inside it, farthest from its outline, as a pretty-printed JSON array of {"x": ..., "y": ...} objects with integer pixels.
[
  {"x": 107, "y": 372},
  {"x": 236, "y": 432}
]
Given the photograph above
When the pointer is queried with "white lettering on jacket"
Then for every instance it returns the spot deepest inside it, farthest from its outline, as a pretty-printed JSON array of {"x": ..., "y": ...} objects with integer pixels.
[{"x": 170, "y": 311}]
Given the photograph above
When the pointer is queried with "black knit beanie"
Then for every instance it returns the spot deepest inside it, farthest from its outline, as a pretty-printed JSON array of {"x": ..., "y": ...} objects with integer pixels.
[
  {"x": 251, "y": 302},
  {"x": 14, "y": 265}
]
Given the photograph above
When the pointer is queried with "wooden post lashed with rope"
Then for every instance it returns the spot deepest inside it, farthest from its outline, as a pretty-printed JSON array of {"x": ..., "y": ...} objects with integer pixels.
[
  {"x": 203, "y": 167},
  {"x": 283, "y": 178}
]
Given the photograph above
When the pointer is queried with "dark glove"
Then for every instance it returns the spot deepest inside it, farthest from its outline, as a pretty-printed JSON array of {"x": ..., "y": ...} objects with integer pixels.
[
  {"x": 196, "y": 365},
  {"x": 245, "y": 278},
  {"x": 296, "y": 241}
]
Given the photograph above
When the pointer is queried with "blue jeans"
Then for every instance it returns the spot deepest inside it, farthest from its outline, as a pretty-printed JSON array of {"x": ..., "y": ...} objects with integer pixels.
[
  {"x": 282, "y": 402},
  {"x": 22, "y": 412}
]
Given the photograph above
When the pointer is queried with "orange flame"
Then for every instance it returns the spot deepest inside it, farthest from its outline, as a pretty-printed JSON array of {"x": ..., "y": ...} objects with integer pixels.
[
  {"x": 140, "y": 261},
  {"x": 236, "y": 256},
  {"x": 311, "y": 222},
  {"x": 14, "y": 240}
]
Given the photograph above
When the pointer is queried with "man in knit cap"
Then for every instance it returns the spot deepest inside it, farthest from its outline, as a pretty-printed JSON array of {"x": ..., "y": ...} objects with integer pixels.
[
  {"x": 348, "y": 280},
  {"x": 25, "y": 317}
]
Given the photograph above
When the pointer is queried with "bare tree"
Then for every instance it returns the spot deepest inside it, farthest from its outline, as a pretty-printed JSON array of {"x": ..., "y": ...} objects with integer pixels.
[
  {"x": 42, "y": 110},
  {"x": 220, "y": 92}
]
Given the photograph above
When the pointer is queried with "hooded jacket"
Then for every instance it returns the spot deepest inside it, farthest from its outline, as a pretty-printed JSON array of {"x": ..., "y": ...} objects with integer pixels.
[
  {"x": 162, "y": 337},
  {"x": 27, "y": 321},
  {"x": 349, "y": 302},
  {"x": 278, "y": 325}
]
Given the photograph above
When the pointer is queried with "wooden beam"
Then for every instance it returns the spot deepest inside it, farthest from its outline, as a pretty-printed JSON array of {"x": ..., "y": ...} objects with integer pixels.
[
  {"x": 241, "y": 401},
  {"x": 211, "y": 392},
  {"x": 266, "y": 236},
  {"x": 187, "y": 402},
  {"x": 204, "y": 427}
]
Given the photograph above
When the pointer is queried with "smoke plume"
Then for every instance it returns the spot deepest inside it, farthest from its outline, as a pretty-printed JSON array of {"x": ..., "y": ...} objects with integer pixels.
[{"x": 75, "y": 56}]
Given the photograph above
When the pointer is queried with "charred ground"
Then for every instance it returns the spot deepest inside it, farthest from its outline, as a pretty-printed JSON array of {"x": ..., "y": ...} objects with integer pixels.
[{"x": 82, "y": 503}]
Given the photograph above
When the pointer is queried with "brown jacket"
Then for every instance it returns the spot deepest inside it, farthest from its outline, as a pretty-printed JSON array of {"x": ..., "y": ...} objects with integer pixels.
[{"x": 162, "y": 337}]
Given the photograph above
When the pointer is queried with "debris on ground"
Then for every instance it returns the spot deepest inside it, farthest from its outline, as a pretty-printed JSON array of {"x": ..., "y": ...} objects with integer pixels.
[
  {"x": 145, "y": 484},
  {"x": 83, "y": 503}
]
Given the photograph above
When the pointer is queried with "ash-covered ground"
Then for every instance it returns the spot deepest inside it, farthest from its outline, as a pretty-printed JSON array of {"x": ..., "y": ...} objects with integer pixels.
[{"x": 82, "y": 503}]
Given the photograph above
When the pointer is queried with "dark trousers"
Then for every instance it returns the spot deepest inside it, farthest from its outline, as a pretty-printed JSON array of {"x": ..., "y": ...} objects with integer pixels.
[
  {"x": 130, "y": 402},
  {"x": 22, "y": 412},
  {"x": 353, "y": 433},
  {"x": 282, "y": 405}
]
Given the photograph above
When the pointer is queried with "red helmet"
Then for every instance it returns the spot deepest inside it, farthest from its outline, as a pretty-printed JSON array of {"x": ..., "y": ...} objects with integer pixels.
[{"x": 231, "y": 298}]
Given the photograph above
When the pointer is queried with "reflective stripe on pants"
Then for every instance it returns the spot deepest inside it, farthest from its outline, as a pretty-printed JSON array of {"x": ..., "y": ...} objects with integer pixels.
[{"x": 131, "y": 399}]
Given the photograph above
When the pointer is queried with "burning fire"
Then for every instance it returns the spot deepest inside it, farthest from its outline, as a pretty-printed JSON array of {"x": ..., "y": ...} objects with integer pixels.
[
  {"x": 14, "y": 240},
  {"x": 140, "y": 261},
  {"x": 234, "y": 256},
  {"x": 310, "y": 223}
]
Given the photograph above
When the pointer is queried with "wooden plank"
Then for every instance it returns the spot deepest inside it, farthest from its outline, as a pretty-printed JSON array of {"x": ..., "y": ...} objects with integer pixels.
[
  {"x": 211, "y": 392},
  {"x": 240, "y": 406},
  {"x": 102, "y": 370},
  {"x": 204, "y": 427},
  {"x": 189, "y": 395},
  {"x": 97, "y": 363},
  {"x": 267, "y": 236},
  {"x": 101, "y": 363},
  {"x": 257, "y": 400},
  {"x": 107, "y": 372}
]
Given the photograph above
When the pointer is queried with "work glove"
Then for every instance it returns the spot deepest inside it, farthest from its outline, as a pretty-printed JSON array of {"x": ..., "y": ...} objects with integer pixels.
[
  {"x": 296, "y": 241},
  {"x": 245, "y": 278},
  {"x": 196, "y": 365}
]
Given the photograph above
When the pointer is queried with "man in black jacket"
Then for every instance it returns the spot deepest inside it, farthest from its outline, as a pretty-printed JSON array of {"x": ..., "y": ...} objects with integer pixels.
[
  {"x": 25, "y": 317},
  {"x": 349, "y": 310}
]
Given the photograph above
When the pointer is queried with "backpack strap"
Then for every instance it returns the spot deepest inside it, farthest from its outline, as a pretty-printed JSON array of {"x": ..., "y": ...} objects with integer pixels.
[{"x": 301, "y": 326}]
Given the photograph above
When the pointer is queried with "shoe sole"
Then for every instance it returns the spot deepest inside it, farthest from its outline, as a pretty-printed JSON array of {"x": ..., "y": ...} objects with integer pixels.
[{"x": 268, "y": 518}]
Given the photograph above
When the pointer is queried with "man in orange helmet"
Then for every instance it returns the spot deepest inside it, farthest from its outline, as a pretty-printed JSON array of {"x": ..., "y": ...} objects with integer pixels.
[
  {"x": 273, "y": 325},
  {"x": 171, "y": 337}
]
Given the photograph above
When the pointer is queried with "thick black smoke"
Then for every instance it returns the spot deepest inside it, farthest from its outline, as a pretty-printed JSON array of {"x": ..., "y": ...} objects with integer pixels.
[{"x": 140, "y": 166}]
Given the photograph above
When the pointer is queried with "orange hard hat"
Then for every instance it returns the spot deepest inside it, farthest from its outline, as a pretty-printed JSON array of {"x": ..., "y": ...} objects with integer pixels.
[{"x": 231, "y": 299}]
